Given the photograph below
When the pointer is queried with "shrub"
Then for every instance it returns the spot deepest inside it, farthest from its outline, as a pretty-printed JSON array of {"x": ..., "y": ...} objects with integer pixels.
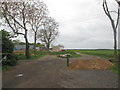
[
  {"x": 10, "y": 60},
  {"x": 21, "y": 56},
  {"x": 7, "y": 43}
]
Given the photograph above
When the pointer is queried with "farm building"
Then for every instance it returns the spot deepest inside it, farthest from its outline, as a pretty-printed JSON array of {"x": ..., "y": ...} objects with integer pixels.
[
  {"x": 55, "y": 49},
  {"x": 22, "y": 47}
]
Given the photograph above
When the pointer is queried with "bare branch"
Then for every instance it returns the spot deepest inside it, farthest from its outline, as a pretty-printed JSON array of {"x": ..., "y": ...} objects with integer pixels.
[
  {"x": 49, "y": 31},
  {"x": 117, "y": 18}
]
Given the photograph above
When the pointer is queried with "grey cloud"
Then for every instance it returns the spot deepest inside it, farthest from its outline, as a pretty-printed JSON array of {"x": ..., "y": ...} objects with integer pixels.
[{"x": 82, "y": 23}]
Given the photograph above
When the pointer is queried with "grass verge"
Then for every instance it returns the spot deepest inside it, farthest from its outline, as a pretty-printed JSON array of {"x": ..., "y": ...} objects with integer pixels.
[
  {"x": 37, "y": 56},
  {"x": 116, "y": 68}
]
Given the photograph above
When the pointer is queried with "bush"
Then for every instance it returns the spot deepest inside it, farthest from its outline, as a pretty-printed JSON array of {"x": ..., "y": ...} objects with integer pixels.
[
  {"x": 21, "y": 56},
  {"x": 7, "y": 43},
  {"x": 11, "y": 60}
]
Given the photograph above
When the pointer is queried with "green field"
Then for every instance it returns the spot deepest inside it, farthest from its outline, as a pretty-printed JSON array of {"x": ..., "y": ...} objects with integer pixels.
[{"x": 108, "y": 54}]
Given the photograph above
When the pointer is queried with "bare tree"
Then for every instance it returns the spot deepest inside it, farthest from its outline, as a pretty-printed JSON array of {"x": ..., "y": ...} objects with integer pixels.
[
  {"x": 49, "y": 31},
  {"x": 60, "y": 46},
  {"x": 39, "y": 10},
  {"x": 16, "y": 15},
  {"x": 113, "y": 23}
]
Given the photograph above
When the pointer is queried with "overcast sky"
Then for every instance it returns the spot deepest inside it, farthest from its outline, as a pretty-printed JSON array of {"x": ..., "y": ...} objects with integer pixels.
[{"x": 82, "y": 23}]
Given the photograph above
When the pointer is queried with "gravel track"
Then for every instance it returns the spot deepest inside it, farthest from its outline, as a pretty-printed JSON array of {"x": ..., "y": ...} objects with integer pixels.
[{"x": 51, "y": 72}]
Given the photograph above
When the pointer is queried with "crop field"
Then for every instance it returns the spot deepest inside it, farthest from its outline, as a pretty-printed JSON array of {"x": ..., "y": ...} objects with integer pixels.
[{"x": 108, "y": 54}]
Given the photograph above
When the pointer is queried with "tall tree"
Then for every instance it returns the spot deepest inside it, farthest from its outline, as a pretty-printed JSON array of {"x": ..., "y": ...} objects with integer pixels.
[
  {"x": 113, "y": 23},
  {"x": 16, "y": 16},
  {"x": 39, "y": 10},
  {"x": 49, "y": 31},
  {"x": 23, "y": 17}
]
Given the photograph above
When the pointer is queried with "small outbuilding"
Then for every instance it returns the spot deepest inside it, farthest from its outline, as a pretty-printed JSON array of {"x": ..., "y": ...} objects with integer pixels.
[{"x": 55, "y": 49}]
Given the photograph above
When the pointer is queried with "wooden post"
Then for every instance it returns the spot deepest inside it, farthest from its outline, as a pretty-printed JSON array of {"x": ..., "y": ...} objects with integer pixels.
[{"x": 67, "y": 60}]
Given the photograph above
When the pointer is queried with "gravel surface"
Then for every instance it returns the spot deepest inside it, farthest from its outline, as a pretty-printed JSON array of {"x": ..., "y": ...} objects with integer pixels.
[{"x": 51, "y": 72}]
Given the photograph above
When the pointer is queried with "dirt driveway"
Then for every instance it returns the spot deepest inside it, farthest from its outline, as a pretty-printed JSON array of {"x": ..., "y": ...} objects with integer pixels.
[{"x": 51, "y": 72}]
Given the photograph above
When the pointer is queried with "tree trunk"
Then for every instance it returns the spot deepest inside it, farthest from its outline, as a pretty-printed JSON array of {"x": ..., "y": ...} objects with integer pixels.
[
  {"x": 115, "y": 39},
  {"x": 118, "y": 51},
  {"x": 48, "y": 46},
  {"x": 27, "y": 47},
  {"x": 34, "y": 43},
  {"x": 115, "y": 45}
]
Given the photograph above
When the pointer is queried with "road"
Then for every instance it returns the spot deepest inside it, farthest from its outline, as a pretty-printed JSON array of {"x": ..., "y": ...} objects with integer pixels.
[{"x": 51, "y": 72}]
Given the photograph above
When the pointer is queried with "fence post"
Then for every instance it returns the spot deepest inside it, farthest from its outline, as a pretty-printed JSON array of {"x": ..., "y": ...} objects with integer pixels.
[{"x": 67, "y": 60}]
